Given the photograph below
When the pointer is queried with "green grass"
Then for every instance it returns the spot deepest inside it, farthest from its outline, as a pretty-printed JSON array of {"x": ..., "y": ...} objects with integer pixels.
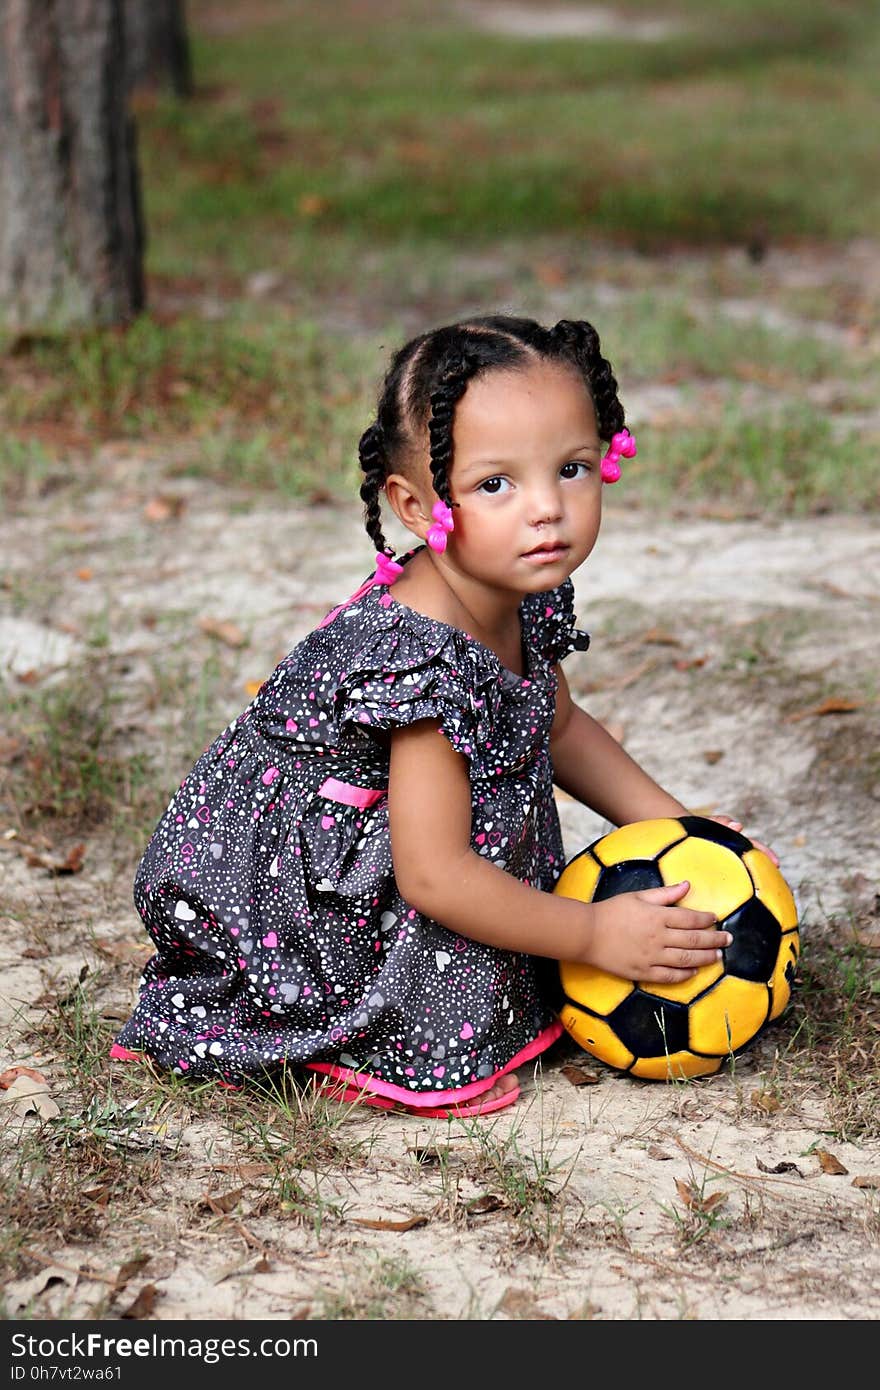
[{"x": 387, "y": 128}]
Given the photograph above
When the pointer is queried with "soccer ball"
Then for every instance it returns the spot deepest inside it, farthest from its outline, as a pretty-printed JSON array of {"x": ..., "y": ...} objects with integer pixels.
[{"x": 664, "y": 1032}]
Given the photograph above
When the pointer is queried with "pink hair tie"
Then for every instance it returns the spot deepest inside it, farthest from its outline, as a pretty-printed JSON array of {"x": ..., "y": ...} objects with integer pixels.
[
  {"x": 622, "y": 445},
  {"x": 387, "y": 570},
  {"x": 443, "y": 523}
]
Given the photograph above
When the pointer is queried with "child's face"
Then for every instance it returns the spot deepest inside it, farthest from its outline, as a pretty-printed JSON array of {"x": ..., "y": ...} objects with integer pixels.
[{"x": 526, "y": 477}]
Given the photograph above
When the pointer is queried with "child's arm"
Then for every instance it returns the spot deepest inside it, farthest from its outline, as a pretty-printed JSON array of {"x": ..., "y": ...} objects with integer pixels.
[{"x": 636, "y": 935}]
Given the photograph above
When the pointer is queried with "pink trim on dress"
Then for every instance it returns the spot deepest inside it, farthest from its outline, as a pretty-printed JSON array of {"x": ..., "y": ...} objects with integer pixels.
[
  {"x": 417, "y": 1099},
  {"x": 349, "y": 795}
]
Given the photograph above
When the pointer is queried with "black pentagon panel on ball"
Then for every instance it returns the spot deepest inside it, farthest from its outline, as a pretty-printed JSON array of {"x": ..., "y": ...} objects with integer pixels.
[
  {"x": 706, "y": 829},
  {"x": 650, "y": 1027},
  {"x": 754, "y": 951},
  {"x": 632, "y": 876}
]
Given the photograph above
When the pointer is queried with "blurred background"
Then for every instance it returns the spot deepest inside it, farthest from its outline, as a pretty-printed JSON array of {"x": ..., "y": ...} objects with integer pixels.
[{"x": 220, "y": 222}]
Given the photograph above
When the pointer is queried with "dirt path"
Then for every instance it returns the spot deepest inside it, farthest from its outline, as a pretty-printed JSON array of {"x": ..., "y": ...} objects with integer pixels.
[{"x": 715, "y": 646}]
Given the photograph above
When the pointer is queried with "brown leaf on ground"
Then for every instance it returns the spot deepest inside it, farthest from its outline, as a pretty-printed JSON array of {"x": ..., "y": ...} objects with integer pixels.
[
  {"x": 654, "y": 1151},
  {"x": 832, "y": 705},
  {"x": 130, "y": 1269},
  {"x": 383, "y": 1224},
  {"x": 222, "y": 1202},
  {"x": 766, "y": 1101},
  {"x": 828, "y": 1163},
  {"x": 164, "y": 507},
  {"x": 27, "y": 1097},
  {"x": 778, "y": 1167},
  {"x": 579, "y": 1076},
  {"x": 71, "y": 863},
  {"x": 143, "y": 1304},
  {"x": 521, "y": 1303},
  {"x": 695, "y": 1200},
  {"x": 660, "y": 637},
  {"x": 482, "y": 1206},
  {"x": 868, "y": 1181},
  {"x": 713, "y": 755},
  {"x": 13, "y": 1073},
  {"x": 226, "y": 632}
]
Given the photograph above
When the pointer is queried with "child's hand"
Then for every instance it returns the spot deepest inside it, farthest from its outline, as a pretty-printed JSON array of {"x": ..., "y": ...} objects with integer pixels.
[
  {"x": 737, "y": 825},
  {"x": 644, "y": 936}
]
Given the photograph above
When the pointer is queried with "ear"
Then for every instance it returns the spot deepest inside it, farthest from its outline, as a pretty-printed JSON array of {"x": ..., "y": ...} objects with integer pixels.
[{"x": 408, "y": 505}]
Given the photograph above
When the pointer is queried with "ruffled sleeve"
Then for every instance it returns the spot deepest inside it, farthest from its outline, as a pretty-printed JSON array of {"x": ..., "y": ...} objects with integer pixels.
[
  {"x": 401, "y": 675},
  {"x": 549, "y": 623}
]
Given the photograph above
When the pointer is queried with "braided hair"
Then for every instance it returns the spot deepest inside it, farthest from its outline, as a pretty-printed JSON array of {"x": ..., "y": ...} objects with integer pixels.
[{"x": 429, "y": 375}]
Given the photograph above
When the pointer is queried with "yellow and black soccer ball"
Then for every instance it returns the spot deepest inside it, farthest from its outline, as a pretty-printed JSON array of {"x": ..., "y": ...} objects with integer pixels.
[{"x": 671, "y": 1031}]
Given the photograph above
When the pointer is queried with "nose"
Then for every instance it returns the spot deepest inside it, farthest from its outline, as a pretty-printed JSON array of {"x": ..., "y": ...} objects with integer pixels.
[{"x": 544, "y": 506}]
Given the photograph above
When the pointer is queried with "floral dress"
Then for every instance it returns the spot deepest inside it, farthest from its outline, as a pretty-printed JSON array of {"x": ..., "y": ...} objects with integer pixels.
[{"x": 268, "y": 889}]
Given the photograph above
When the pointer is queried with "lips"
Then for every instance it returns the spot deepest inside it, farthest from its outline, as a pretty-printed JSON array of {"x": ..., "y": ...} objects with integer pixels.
[{"x": 547, "y": 549}]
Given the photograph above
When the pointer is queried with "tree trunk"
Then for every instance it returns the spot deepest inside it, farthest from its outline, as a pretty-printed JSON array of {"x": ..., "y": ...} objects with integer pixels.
[
  {"x": 71, "y": 227},
  {"x": 157, "y": 52}
]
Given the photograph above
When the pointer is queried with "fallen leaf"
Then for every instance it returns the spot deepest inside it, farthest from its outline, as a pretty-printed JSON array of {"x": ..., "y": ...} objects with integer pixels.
[
  {"x": 482, "y": 1206},
  {"x": 246, "y": 1171},
  {"x": 763, "y": 1100},
  {"x": 869, "y": 1182},
  {"x": 830, "y": 706},
  {"x": 21, "y": 1293},
  {"x": 130, "y": 1269},
  {"x": 27, "y": 1096},
  {"x": 381, "y": 1224},
  {"x": 779, "y": 1168},
  {"x": 654, "y": 1151},
  {"x": 713, "y": 755},
  {"x": 143, "y": 1304},
  {"x": 312, "y": 204},
  {"x": 12, "y": 1073},
  {"x": 695, "y": 1201},
  {"x": 521, "y": 1303},
  {"x": 579, "y": 1076},
  {"x": 223, "y": 631},
  {"x": 223, "y": 1202},
  {"x": 164, "y": 507},
  {"x": 85, "y": 574},
  {"x": 660, "y": 637},
  {"x": 71, "y": 863},
  {"x": 689, "y": 663},
  {"x": 828, "y": 1163}
]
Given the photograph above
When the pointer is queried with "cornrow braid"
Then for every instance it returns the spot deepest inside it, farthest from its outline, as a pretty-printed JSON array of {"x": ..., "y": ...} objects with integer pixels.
[
  {"x": 580, "y": 343},
  {"x": 371, "y": 453},
  {"x": 451, "y": 386}
]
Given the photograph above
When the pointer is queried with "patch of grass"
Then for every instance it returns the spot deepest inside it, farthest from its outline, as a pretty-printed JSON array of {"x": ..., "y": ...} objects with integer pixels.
[
  {"x": 392, "y": 129},
  {"x": 384, "y": 1286},
  {"x": 833, "y": 1023},
  {"x": 272, "y": 402},
  {"x": 63, "y": 762},
  {"x": 788, "y": 461}
]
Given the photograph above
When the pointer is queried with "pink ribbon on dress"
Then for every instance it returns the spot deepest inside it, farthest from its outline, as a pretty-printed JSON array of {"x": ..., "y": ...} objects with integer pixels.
[
  {"x": 387, "y": 570},
  {"x": 349, "y": 795}
]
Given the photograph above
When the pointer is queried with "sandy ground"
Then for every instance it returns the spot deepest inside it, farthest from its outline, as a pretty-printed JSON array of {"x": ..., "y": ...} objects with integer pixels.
[{"x": 714, "y": 646}]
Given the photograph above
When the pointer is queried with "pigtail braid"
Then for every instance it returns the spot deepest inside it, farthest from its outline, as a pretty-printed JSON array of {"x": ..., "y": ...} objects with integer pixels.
[
  {"x": 371, "y": 453},
  {"x": 580, "y": 344},
  {"x": 451, "y": 386}
]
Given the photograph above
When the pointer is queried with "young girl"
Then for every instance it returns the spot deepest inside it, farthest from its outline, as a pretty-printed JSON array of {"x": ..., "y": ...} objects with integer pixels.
[{"x": 356, "y": 877}]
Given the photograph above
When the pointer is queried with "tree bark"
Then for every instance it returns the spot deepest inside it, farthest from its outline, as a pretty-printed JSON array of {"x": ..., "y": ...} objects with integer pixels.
[
  {"x": 157, "y": 50},
  {"x": 71, "y": 224}
]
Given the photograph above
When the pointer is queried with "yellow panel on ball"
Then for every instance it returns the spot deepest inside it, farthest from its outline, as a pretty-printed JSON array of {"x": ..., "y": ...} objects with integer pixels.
[
  {"x": 783, "y": 974},
  {"x": 595, "y": 1036},
  {"x": 729, "y": 1016},
  {"x": 643, "y": 839},
  {"x": 579, "y": 878},
  {"x": 719, "y": 881},
  {"x": 683, "y": 991},
  {"x": 676, "y": 1067},
  {"x": 772, "y": 888},
  {"x": 596, "y": 988}
]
